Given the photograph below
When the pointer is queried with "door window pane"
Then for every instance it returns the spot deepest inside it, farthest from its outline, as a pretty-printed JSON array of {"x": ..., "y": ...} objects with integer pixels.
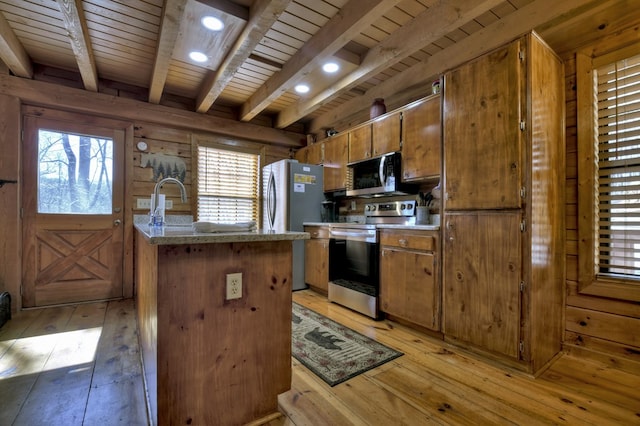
[{"x": 75, "y": 173}]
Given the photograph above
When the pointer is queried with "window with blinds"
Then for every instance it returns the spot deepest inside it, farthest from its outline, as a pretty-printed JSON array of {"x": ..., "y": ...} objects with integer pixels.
[
  {"x": 228, "y": 185},
  {"x": 618, "y": 189}
]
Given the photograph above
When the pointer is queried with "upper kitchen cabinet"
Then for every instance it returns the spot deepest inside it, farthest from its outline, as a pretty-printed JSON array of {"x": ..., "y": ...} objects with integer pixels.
[
  {"x": 503, "y": 236},
  {"x": 360, "y": 143},
  {"x": 484, "y": 128},
  {"x": 421, "y": 139},
  {"x": 375, "y": 138},
  {"x": 311, "y": 154},
  {"x": 385, "y": 134},
  {"x": 336, "y": 151}
]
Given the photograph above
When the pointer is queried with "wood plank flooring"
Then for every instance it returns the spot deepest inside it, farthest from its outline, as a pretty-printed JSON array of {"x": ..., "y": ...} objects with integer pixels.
[
  {"x": 79, "y": 365},
  {"x": 72, "y": 365},
  {"x": 435, "y": 383}
]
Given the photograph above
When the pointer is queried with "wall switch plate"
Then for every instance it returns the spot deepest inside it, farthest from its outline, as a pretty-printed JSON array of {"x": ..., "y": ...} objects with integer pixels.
[
  {"x": 143, "y": 203},
  {"x": 168, "y": 204},
  {"x": 353, "y": 205},
  {"x": 234, "y": 286}
]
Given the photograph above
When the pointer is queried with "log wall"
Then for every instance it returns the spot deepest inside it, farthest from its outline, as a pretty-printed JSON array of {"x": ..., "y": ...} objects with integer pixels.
[
  {"x": 165, "y": 130},
  {"x": 603, "y": 328}
]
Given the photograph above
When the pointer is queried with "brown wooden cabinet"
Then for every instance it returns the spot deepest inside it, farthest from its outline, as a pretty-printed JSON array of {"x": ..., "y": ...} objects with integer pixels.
[
  {"x": 360, "y": 143},
  {"x": 421, "y": 139},
  {"x": 335, "y": 162},
  {"x": 311, "y": 154},
  {"x": 316, "y": 258},
  {"x": 377, "y": 137},
  {"x": 482, "y": 279},
  {"x": 385, "y": 134},
  {"x": 503, "y": 239},
  {"x": 409, "y": 276}
]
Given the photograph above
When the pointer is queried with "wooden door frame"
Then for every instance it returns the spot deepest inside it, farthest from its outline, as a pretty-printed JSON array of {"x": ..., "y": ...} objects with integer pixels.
[{"x": 128, "y": 128}]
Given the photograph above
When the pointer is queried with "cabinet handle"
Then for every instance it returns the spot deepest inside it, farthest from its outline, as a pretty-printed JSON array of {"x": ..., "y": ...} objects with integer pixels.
[
  {"x": 314, "y": 234},
  {"x": 402, "y": 242}
]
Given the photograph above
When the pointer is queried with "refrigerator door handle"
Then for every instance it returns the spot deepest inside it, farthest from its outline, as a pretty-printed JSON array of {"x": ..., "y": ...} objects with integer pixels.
[{"x": 271, "y": 200}]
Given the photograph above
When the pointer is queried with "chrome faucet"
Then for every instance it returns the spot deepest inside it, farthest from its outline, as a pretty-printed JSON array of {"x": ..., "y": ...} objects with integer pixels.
[{"x": 157, "y": 217}]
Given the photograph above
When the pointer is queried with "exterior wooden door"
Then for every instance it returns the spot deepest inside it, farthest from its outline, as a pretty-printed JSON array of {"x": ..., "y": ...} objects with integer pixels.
[
  {"x": 482, "y": 273},
  {"x": 73, "y": 194}
]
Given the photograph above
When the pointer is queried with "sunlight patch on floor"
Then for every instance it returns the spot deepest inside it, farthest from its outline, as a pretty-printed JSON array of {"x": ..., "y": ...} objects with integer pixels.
[{"x": 35, "y": 354}]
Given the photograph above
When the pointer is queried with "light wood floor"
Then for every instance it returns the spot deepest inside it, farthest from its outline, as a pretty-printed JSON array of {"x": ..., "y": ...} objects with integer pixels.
[
  {"x": 72, "y": 365},
  {"x": 79, "y": 365}
]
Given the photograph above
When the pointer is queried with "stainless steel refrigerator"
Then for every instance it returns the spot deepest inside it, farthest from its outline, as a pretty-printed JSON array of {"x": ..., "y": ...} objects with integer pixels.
[{"x": 292, "y": 195}]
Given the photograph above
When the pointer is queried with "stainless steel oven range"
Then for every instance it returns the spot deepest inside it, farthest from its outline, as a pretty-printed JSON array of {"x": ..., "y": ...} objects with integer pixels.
[{"x": 353, "y": 256}]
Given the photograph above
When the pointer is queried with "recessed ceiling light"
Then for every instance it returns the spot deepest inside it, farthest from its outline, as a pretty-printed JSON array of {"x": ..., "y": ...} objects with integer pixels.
[
  {"x": 302, "y": 88},
  {"x": 198, "y": 56},
  {"x": 212, "y": 23},
  {"x": 330, "y": 67}
]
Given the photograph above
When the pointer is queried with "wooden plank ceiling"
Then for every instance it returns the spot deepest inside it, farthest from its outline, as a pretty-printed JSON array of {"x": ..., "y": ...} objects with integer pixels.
[{"x": 391, "y": 49}]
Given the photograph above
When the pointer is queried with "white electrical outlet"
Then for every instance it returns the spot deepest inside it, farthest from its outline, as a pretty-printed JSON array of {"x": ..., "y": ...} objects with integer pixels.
[
  {"x": 143, "y": 203},
  {"x": 234, "y": 286},
  {"x": 168, "y": 204}
]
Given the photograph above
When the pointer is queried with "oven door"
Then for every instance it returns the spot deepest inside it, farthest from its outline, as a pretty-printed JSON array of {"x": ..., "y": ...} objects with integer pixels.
[{"x": 353, "y": 270}]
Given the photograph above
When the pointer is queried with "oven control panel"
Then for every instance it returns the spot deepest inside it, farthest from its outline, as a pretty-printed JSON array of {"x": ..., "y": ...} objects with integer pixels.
[{"x": 391, "y": 209}]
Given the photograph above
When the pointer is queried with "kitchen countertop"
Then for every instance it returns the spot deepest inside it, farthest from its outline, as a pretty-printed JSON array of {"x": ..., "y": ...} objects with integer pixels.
[
  {"x": 184, "y": 234},
  {"x": 383, "y": 226},
  {"x": 410, "y": 227}
]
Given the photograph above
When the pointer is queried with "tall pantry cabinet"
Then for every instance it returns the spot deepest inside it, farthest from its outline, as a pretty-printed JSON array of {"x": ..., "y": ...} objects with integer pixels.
[{"x": 503, "y": 236}]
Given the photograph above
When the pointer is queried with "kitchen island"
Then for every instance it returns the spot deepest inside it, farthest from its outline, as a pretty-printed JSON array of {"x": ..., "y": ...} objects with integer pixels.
[{"x": 208, "y": 359}]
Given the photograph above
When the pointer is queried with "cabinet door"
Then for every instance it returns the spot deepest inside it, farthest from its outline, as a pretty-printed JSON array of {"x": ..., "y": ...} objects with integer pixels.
[
  {"x": 302, "y": 154},
  {"x": 316, "y": 263},
  {"x": 385, "y": 134},
  {"x": 482, "y": 136},
  {"x": 335, "y": 162},
  {"x": 421, "y": 133},
  {"x": 310, "y": 154},
  {"x": 408, "y": 286},
  {"x": 360, "y": 143},
  {"x": 481, "y": 277}
]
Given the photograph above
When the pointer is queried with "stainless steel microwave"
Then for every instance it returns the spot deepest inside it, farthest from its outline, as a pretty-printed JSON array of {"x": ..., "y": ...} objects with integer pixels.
[{"x": 376, "y": 176}]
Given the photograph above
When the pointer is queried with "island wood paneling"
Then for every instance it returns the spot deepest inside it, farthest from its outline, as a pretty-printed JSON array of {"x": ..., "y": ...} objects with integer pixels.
[
  {"x": 208, "y": 360},
  {"x": 599, "y": 327}
]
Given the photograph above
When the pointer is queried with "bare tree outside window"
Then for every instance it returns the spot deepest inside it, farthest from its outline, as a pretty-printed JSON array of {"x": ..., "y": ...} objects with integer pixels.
[{"x": 75, "y": 173}]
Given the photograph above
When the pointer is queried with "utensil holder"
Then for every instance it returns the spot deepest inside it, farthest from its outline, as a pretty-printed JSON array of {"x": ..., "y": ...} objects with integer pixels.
[{"x": 422, "y": 215}]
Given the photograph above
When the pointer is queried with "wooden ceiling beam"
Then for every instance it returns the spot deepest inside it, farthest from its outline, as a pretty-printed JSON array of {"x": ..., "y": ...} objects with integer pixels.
[
  {"x": 429, "y": 26},
  {"x": 265, "y": 62},
  {"x": 78, "y": 34},
  {"x": 12, "y": 52},
  {"x": 109, "y": 106},
  {"x": 419, "y": 76},
  {"x": 350, "y": 21},
  {"x": 172, "y": 14},
  {"x": 226, "y": 6},
  {"x": 264, "y": 13}
]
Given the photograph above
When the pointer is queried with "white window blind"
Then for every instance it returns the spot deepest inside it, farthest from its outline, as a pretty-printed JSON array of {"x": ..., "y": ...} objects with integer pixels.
[
  {"x": 228, "y": 190},
  {"x": 618, "y": 196}
]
